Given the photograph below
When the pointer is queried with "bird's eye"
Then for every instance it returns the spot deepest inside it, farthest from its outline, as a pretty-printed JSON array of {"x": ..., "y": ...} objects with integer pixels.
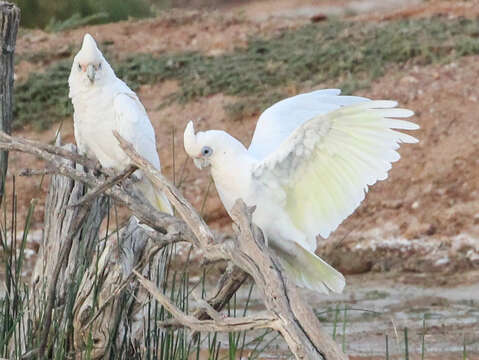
[
  {"x": 79, "y": 67},
  {"x": 99, "y": 66},
  {"x": 206, "y": 151}
]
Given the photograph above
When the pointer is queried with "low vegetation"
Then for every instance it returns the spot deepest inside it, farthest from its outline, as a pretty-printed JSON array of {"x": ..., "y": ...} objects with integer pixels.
[
  {"x": 344, "y": 54},
  {"x": 58, "y": 14}
]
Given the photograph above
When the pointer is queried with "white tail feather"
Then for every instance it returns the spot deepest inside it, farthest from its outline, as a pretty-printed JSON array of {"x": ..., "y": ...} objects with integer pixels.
[
  {"x": 310, "y": 271},
  {"x": 156, "y": 198}
]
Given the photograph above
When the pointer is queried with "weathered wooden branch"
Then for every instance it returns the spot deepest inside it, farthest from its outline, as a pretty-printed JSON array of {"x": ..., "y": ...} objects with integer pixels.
[
  {"x": 94, "y": 193},
  {"x": 62, "y": 237},
  {"x": 54, "y": 155},
  {"x": 36, "y": 172},
  {"x": 219, "y": 324},
  {"x": 169, "y": 227},
  {"x": 295, "y": 320},
  {"x": 104, "y": 268},
  {"x": 287, "y": 311},
  {"x": 110, "y": 266},
  {"x": 299, "y": 325},
  {"x": 9, "y": 21}
]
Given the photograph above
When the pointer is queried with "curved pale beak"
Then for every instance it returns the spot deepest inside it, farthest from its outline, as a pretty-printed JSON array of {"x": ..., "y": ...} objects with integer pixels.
[
  {"x": 200, "y": 163},
  {"x": 90, "y": 72}
]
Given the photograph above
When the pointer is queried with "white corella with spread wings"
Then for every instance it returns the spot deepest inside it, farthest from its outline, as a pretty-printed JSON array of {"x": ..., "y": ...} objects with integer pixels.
[{"x": 307, "y": 169}]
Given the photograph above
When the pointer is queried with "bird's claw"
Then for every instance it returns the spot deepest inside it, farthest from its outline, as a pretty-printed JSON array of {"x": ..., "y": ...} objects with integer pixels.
[{"x": 97, "y": 170}]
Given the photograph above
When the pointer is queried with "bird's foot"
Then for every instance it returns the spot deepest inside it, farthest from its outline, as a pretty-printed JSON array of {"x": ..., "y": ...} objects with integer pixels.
[{"x": 97, "y": 170}]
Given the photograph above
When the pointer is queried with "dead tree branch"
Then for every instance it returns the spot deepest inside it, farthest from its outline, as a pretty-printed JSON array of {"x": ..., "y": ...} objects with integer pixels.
[
  {"x": 54, "y": 155},
  {"x": 9, "y": 21},
  {"x": 287, "y": 311},
  {"x": 295, "y": 320},
  {"x": 93, "y": 194},
  {"x": 169, "y": 227},
  {"x": 218, "y": 324}
]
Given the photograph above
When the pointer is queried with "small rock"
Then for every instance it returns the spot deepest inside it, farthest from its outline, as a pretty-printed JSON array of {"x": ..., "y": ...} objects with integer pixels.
[
  {"x": 408, "y": 79},
  {"x": 431, "y": 230},
  {"x": 318, "y": 18},
  {"x": 34, "y": 38},
  {"x": 64, "y": 50}
]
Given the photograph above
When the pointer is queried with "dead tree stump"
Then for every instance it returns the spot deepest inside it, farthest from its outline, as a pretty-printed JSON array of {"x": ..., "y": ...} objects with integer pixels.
[
  {"x": 87, "y": 279},
  {"x": 9, "y": 21}
]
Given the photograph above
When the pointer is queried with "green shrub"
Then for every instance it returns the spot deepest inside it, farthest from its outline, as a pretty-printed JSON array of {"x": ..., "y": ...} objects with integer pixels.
[{"x": 40, "y": 13}]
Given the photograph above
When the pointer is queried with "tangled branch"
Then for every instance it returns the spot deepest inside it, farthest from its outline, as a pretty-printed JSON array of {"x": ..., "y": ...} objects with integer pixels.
[{"x": 286, "y": 310}]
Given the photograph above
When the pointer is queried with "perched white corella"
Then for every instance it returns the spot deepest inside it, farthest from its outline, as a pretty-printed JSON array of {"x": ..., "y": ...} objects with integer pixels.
[
  {"x": 310, "y": 163},
  {"x": 103, "y": 103}
]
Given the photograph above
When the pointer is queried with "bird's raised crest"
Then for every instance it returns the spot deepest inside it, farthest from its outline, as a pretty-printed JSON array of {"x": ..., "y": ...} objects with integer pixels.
[
  {"x": 189, "y": 138},
  {"x": 89, "y": 48}
]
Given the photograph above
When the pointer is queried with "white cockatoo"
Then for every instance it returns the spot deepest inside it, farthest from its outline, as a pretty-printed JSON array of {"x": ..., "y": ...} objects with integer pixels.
[
  {"x": 307, "y": 169},
  {"x": 103, "y": 103}
]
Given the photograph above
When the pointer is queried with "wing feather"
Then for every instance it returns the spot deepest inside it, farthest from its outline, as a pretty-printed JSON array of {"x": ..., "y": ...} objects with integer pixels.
[
  {"x": 134, "y": 125},
  {"x": 327, "y": 164},
  {"x": 280, "y": 120}
]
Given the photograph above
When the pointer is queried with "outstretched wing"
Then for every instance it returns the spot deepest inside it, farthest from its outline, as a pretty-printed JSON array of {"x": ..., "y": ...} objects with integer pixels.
[
  {"x": 133, "y": 124},
  {"x": 277, "y": 122},
  {"x": 326, "y": 165}
]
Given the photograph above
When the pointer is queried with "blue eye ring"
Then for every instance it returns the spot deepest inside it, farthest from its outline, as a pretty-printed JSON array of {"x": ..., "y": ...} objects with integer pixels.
[{"x": 206, "y": 151}]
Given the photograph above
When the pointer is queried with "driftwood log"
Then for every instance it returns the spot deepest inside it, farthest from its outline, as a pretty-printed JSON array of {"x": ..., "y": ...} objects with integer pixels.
[
  {"x": 286, "y": 312},
  {"x": 9, "y": 21}
]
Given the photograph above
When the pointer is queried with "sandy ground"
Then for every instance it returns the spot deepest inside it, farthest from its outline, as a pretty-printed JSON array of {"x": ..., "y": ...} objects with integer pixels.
[
  {"x": 421, "y": 224},
  {"x": 379, "y": 305}
]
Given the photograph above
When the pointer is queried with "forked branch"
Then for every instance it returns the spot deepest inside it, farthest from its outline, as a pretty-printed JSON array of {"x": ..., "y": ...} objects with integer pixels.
[
  {"x": 286, "y": 310},
  {"x": 294, "y": 319}
]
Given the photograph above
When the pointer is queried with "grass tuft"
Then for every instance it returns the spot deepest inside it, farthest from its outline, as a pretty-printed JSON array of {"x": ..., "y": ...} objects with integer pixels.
[{"x": 406, "y": 345}]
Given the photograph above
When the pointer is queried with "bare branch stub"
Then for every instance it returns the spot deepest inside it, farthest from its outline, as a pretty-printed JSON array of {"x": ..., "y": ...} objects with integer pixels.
[
  {"x": 9, "y": 22},
  {"x": 35, "y": 172},
  {"x": 229, "y": 283},
  {"x": 224, "y": 325},
  {"x": 94, "y": 193}
]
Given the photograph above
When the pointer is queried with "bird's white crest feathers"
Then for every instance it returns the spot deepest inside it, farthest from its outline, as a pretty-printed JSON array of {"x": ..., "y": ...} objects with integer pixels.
[{"x": 89, "y": 49}]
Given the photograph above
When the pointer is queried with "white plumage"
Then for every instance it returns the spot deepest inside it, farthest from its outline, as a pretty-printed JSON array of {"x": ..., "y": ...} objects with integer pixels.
[
  {"x": 103, "y": 103},
  {"x": 309, "y": 165}
]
